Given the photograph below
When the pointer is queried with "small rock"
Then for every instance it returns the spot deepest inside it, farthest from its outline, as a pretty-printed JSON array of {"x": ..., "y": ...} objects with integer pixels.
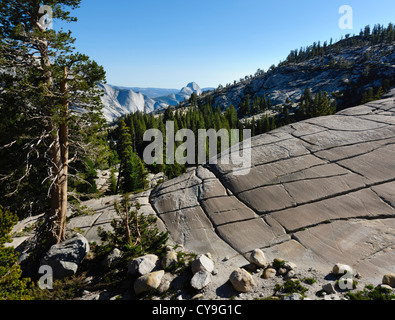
[
  {"x": 148, "y": 282},
  {"x": 170, "y": 259},
  {"x": 258, "y": 258},
  {"x": 290, "y": 266},
  {"x": 201, "y": 280},
  {"x": 328, "y": 288},
  {"x": 291, "y": 274},
  {"x": 199, "y": 296},
  {"x": 164, "y": 286},
  {"x": 341, "y": 269},
  {"x": 202, "y": 263},
  {"x": 242, "y": 281},
  {"x": 389, "y": 279},
  {"x": 282, "y": 271},
  {"x": 269, "y": 273},
  {"x": 143, "y": 265}
]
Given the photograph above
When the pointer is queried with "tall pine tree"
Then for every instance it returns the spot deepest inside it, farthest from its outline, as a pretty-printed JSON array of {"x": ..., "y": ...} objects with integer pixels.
[{"x": 43, "y": 79}]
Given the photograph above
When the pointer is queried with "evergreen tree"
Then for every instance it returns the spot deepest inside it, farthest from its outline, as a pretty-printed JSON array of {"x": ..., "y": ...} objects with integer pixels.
[
  {"x": 45, "y": 77},
  {"x": 231, "y": 116},
  {"x": 132, "y": 173},
  {"x": 245, "y": 107}
]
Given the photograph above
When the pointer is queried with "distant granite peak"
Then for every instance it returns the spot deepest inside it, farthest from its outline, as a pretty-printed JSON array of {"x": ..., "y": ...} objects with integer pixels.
[{"x": 119, "y": 101}]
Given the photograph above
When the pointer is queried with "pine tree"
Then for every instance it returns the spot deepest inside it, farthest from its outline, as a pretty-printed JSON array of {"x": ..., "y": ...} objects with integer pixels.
[
  {"x": 132, "y": 173},
  {"x": 41, "y": 70}
]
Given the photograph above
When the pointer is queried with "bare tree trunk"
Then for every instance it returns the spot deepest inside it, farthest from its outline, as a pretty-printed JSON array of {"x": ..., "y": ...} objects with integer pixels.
[
  {"x": 55, "y": 189},
  {"x": 60, "y": 159},
  {"x": 127, "y": 219},
  {"x": 64, "y": 154}
]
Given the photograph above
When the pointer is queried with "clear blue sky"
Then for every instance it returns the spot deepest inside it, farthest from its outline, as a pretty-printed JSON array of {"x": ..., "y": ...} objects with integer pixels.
[{"x": 168, "y": 43}]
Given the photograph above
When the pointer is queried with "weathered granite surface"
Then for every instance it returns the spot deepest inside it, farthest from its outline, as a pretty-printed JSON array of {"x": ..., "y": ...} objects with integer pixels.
[{"x": 319, "y": 192}]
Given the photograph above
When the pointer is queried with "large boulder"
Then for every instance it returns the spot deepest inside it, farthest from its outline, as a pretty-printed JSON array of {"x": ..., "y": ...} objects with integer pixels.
[
  {"x": 202, "y": 263},
  {"x": 65, "y": 257},
  {"x": 258, "y": 258},
  {"x": 148, "y": 282},
  {"x": 242, "y": 281},
  {"x": 143, "y": 265},
  {"x": 201, "y": 280},
  {"x": 389, "y": 279}
]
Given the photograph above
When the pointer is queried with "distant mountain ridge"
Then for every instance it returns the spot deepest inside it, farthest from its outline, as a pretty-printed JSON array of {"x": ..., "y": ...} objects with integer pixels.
[
  {"x": 119, "y": 101},
  {"x": 342, "y": 67}
]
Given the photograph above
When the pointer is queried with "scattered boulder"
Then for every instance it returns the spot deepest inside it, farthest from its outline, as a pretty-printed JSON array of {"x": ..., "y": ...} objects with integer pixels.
[
  {"x": 290, "y": 266},
  {"x": 202, "y": 263},
  {"x": 170, "y": 259},
  {"x": 148, "y": 282},
  {"x": 143, "y": 265},
  {"x": 341, "y": 269},
  {"x": 282, "y": 271},
  {"x": 389, "y": 279},
  {"x": 269, "y": 273},
  {"x": 329, "y": 288},
  {"x": 291, "y": 274},
  {"x": 258, "y": 258},
  {"x": 201, "y": 280},
  {"x": 65, "y": 257},
  {"x": 242, "y": 281}
]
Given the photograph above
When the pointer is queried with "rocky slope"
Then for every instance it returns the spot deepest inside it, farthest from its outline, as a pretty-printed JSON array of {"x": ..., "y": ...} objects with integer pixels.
[
  {"x": 319, "y": 192},
  {"x": 332, "y": 72}
]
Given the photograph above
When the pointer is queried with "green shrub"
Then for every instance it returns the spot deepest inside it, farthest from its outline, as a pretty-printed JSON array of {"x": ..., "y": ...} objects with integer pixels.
[
  {"x": 134, "y": 234},
  {"x": 12, "y": 286},
  {"x": 63, "y": 290},
  {"x": 309, "y": 281},
  {"x": 290, "y": 287},
  {"x": 371, "y": 293}
]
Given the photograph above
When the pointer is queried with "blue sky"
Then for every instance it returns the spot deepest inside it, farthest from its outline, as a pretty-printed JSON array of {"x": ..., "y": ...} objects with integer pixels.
[{"x": 169, "y": 43}]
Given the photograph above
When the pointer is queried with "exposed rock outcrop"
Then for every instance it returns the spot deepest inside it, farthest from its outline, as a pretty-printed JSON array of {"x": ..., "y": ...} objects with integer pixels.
[
  {"x": 331, "y": 73},
  {"x": 319, "y": 191}
]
